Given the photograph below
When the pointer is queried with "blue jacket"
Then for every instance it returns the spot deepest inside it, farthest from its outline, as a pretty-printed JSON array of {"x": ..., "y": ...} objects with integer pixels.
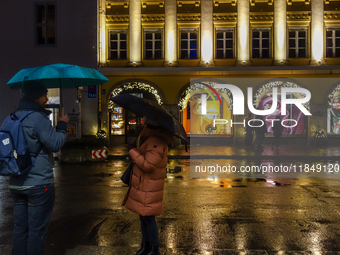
[{"x": 42, "y": 139}]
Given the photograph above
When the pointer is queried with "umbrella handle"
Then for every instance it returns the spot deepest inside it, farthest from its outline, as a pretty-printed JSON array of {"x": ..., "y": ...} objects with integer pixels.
[
  {"x": 61, "y": 104},
  {"x": 22, "y": 85}
]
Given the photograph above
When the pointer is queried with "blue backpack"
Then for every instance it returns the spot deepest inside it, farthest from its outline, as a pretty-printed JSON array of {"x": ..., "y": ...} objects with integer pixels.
[{"x": 15, "y": 158}]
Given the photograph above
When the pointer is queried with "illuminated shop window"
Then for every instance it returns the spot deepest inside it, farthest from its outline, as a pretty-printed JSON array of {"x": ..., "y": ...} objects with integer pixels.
[
  {"x": 117, "y": 120},
  {"x": 153, "y": 44},
  {"x": 204, "y": 123},
  {"x": 297, "y": 45},
  {"x": 333, "y": 112},
  {"x": 333, "y": 42},
  {"x": 196, "y": 122},
  {"x": 188, "y": 43},
  {"x": 118, "y": 44},
  {"x": 261, "y": 43},
  {"x": 45, "y": 24},
  {"x": 294, "y": 119},
  {"x": 224, "y": 43},
  {"x": 122, "y": 121}
]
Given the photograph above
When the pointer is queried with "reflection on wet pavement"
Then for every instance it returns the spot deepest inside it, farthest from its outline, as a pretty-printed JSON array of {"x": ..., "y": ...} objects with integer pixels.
[{"x": 200, "y": 216}]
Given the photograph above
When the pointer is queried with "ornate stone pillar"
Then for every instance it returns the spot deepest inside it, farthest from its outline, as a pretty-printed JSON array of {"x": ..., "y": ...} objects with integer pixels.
[
  {"x": 317, "y": 35},
  {"x": 207, "y": 33},
  {"x": 280, "y": 32},
  {"x": 243, "y": 30},
  {"x": 170, "y": 32},
  {"x": 135, "y": 34},
  {"x": 102, "y": 47}
]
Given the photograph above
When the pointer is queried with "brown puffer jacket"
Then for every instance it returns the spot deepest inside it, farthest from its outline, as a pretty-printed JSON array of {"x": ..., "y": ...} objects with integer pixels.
[{"x": 145, "y": 195}]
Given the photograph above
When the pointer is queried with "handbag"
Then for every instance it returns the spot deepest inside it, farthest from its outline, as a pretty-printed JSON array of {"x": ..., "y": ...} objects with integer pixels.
[{"x": 127, "y": 174}]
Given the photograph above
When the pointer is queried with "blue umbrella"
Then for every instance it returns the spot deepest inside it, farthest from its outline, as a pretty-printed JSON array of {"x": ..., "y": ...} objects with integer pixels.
[{"x": 58, "y": 76}]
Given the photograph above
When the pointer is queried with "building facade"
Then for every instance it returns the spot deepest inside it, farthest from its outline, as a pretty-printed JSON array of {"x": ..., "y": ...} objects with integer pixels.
[
  {"x": 168, "y": 51},
  {"x": 177, "y": 53},
  {"x": 36, "y": 33}
]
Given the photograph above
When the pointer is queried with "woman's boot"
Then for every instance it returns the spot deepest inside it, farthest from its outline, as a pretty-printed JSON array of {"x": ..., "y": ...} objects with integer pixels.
[
  {"x": 145, "y": 249},
  {"x": 154, "y": 251}
]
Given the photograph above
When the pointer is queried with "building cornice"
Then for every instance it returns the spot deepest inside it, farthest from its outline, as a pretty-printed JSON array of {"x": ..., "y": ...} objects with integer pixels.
[
  {"x": 117, "y": 18},
  {"x": 298, "y": 15},
  {"x": 260, "y": 16},
  {"x": 225, "y": 16},
  {"x": 152, "y": 17},
  {"x": 188, "y": 17},
  {"x": 332, "y": 15}
]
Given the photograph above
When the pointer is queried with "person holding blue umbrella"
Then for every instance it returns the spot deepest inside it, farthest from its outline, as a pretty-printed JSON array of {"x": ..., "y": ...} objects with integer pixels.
[
  {"x": 33, "y": 192},
  {"x": 58, "y": 76}
]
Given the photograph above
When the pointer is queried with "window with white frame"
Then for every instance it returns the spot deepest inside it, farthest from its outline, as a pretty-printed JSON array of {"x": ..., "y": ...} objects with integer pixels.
[
  {"x": 188, "y": 43},
  {"x": 153, "y": 44},
  {"x": 297, "y": 42},
  {"x": 224, "y": 43},
  {"x": 333, "y": 42},
  {"x": 261, "y": 41},
  {"x": 118, "y": 44},
  {"x": 45, "y": 24}
]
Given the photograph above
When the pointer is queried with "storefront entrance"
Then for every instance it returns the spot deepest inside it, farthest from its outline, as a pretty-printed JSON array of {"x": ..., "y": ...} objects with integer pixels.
[{"x": 125, "y": 126}]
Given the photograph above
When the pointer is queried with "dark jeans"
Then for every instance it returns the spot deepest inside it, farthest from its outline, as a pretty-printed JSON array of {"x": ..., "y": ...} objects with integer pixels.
[
  {"x": 32, "y": 212},
  {"x": 149, "y": 230}
]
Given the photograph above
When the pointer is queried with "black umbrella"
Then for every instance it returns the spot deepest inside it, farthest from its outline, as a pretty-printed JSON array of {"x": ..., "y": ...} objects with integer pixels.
[{"x": 152, "y": 111}]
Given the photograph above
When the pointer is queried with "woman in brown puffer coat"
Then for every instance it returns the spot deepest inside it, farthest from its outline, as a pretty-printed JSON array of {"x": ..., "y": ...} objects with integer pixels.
[{"x": 145, "y": 195}]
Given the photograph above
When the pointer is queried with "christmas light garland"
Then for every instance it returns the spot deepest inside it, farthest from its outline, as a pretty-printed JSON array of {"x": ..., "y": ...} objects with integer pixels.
[
  {"x": 279, "y": 84},
  {"x": 186, "y": 96},
  {"x": 132, "y": 86},
  {"x": 183, "y": 102}
]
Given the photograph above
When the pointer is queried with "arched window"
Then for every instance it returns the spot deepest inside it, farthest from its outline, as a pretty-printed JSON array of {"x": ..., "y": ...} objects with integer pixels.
[
  {"x": 123, "y": 122},
  {"x": 295, "y": 122},
  {"x": 333, "y": 112},
  {"x": 218, "y": 104}
]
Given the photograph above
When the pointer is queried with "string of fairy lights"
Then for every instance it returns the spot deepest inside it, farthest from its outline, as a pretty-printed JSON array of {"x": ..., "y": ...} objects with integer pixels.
[
  {"x": 331, "y": 96},
  {"x": 186, "y": 96},
  {"x": 134, "y": 86},
  {"x": 279, "y": 84},
  {"x": 258, "y": 95}
]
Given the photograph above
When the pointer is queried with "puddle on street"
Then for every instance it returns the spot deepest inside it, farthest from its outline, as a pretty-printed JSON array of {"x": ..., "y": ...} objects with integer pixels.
[
  {"x": 103, "y": 174},
  {"x": 179, "y": 170}
]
